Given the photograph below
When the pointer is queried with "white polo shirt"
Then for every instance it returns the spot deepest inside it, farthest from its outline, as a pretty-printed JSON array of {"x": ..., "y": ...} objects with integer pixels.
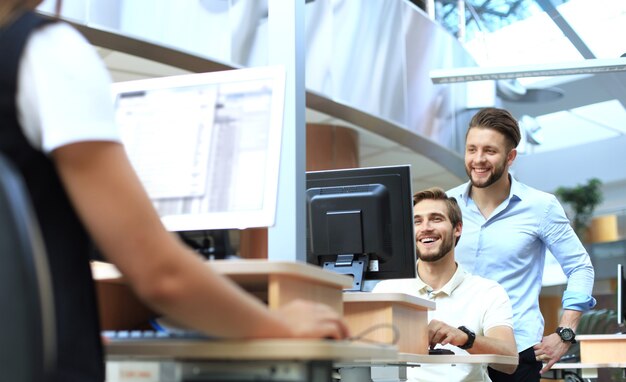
[
  {"x": 63, "y": 96},
  {"x": 472, "y": 301}
]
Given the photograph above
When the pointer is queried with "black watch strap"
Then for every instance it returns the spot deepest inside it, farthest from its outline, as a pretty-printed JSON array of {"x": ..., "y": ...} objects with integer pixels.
[{"x": 471, "y": 336}]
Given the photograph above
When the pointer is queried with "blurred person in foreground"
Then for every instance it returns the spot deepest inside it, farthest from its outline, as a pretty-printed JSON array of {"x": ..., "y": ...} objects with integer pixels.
[{"x": 57, "y": 127}]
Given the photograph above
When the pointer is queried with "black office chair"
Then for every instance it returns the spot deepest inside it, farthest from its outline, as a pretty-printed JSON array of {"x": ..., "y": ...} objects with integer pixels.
[{"x": 27, "y": 327}]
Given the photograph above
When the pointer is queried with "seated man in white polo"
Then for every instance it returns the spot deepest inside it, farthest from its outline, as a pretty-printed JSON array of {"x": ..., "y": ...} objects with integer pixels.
[{"x": 473, "y": 314}]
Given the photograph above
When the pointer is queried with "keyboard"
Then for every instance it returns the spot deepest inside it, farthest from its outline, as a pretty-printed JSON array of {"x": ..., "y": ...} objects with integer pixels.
[
  {"x": 148, "y": 335},
  {"x": 440, "y": 351}
]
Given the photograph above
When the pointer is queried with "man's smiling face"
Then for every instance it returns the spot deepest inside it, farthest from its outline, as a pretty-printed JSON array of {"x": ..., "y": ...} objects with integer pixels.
[
  {"x": 434, "y": 235},
  {"x": 486, "y": 156}
]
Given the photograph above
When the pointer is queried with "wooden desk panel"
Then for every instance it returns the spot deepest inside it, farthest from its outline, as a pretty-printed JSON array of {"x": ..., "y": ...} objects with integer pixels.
[
  {"x": 120, "y": 309},
  {"x": 286, "y": 281},
  {"x": 457, "y": 359},
  {"x": 602, "y": 348},
  {"x": 580, "y": 365},
  {"x": 409, "y": 314},
  {"x": 244, "y": 350},
  {"x": 275, "y": 283},
  {"x": 560, "y": 370}
]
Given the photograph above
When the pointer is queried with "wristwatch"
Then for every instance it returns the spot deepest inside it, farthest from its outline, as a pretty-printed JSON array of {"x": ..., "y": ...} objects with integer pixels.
[
  {"x": 471, "y": 336},
  {"x": 566, "y": 334}
]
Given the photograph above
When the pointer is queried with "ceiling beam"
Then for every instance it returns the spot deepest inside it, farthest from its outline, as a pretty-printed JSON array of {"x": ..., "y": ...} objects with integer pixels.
[
  {"x": 475, "y": 73},
  {"x": 566, "y": 28}
]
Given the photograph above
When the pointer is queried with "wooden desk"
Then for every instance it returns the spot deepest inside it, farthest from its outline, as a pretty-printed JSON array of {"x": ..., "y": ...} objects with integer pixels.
[
  {"x": 602, "y": 348},
  {"x": 584, "y": 370},
  {"x": 282, "y": 282},
  {"x": 275, "y": 283},
  {"x": 409, "y": 314},
  {"x": 397, "y": 370},
  {"x": 597, "y": 351},
  {"x": 271, "y": 349},
  {"x": 417, "y": 359},
  {"x": 268, "y": 360}
]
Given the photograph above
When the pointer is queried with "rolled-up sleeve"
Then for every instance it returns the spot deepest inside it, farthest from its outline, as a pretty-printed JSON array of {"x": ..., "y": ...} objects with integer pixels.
[{"x": 566, "y": 247}]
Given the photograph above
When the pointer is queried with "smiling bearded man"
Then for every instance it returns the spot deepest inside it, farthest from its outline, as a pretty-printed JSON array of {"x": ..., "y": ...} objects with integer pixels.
[
  {"x": 473, "y": 314},
  {"x": 508, "y": 229}
]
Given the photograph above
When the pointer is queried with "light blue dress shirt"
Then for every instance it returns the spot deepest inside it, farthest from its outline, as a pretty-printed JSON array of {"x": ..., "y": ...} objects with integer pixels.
[{"x": 510, "y": 248}]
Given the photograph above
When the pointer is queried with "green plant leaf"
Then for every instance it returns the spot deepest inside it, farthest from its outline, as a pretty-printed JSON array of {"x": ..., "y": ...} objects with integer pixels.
[{"x": 583, "y": 199}]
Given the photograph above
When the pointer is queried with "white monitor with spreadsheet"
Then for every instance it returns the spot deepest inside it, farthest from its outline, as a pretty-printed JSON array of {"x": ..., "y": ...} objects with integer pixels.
[{"x": 206, "y": 146}]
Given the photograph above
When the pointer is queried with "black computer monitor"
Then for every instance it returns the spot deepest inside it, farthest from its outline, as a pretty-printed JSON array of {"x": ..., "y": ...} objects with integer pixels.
[
  {"x": 360, "y": 222},
  {"x": 621, "y": 297}
]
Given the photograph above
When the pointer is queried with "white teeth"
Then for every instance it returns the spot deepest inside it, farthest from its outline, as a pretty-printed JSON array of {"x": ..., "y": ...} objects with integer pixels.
[{"x": 428, "y": 240}]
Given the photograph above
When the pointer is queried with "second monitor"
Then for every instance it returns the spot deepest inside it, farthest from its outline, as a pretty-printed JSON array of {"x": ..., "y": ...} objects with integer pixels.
[
  {"x": 206, "y": 146},
  {"x": 360, "y": 222}
]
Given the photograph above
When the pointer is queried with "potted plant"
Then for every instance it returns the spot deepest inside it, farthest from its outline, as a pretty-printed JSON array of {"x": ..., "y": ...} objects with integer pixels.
[{"x": 583, "y": 199}]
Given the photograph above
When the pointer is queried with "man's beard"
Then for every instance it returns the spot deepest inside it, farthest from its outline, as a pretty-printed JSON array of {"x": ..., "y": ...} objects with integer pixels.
[
  {"x": 446, "y": 247},
  {"x": 497, "y": 173}
]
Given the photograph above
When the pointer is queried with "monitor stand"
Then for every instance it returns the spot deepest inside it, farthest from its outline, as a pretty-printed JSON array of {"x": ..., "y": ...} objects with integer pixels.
[{"x": 350, "y": 264}]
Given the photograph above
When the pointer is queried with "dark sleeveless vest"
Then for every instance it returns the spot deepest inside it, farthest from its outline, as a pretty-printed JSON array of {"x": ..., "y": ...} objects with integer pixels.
[{"x": 80, "y": 356}]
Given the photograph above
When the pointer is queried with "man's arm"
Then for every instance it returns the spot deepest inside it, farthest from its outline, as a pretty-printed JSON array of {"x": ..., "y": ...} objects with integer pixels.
[
  {"x": 497, "y": 340},
  {"x": 566, "y": 247},
  {"x": 169, "y": 277},
  {"x": 552, "y": 348}
]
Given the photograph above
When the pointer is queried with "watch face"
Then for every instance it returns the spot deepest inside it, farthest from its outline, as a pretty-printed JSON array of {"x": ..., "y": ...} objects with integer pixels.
[{"x": 566, "y": 334}]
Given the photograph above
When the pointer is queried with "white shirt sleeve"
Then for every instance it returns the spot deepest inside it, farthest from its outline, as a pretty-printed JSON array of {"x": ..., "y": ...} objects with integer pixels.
[
  {"x": 63, "y": 92},
  {"x": 497, "y": 306}
]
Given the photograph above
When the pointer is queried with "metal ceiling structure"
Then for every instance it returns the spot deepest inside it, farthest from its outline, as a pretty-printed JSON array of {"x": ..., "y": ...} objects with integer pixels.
[{"x": 584, "y": 110}]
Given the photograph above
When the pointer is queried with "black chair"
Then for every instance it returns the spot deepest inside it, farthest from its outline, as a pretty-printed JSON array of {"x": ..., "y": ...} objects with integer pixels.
[{"x": 27, "y": 327}]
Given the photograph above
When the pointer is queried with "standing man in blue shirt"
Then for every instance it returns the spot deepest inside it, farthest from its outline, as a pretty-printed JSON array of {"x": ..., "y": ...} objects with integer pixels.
[{"x": 507, "y": 228}]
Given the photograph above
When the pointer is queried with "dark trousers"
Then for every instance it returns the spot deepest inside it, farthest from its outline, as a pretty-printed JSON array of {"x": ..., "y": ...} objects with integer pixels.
[{"x": 527, "y": 370}]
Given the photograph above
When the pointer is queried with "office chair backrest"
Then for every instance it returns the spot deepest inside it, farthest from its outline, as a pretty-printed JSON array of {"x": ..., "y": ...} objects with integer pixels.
[{"x": 27, "y": 328}]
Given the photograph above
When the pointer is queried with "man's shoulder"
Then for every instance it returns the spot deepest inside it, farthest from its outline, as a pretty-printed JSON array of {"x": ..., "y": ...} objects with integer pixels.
[
  {"x": 487, "y": 295},
  {"x": 458, "y": 190},
  {"x": 480, "y": 283},
  {"x": 476, "y": 279},
  {"x": 394, "y": 285},
  {"x": 532, "y": 194},
  {"x": 459, "y": 193}
]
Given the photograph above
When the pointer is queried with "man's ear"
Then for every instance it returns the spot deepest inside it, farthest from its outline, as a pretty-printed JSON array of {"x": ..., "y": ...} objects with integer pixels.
[
  {"x": 458, "y": 229},
  {"x": 511, "y": 157}
]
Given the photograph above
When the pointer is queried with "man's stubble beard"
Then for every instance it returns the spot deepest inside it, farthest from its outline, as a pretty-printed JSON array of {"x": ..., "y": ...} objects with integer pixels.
[
  {"x": 498, "y": 171},
  {"x": 444, "y": 249}
]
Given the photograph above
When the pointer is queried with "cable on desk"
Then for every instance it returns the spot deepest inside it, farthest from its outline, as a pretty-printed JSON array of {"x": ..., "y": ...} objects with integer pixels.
[{"x": 361, "y": 336}]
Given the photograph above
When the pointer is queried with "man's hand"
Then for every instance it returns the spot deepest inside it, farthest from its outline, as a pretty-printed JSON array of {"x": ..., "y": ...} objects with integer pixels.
[
  {"x": 550, "y": 350},
  {"x": 442, "y": 333}
]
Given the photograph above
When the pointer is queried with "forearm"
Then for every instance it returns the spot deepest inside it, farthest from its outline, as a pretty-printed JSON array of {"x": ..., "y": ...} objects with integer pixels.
[
  {"x": 166, "y": 275},
  {"x": 499, "y": 340},
  {"x": 570, "y": 319},
  {"x": 487, "y": 345},
  {"x": 196, "y": 297}
]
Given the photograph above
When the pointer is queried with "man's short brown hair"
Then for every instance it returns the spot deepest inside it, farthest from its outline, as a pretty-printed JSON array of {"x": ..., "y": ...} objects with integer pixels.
[{"x": 500, "y": 120}]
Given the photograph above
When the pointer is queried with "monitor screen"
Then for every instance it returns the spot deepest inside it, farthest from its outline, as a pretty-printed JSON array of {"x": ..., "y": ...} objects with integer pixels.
[
  {"x": 206, "y": 146},
  {"x": 360, "y": 223},
  {"x": 621, "y": 296}
]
